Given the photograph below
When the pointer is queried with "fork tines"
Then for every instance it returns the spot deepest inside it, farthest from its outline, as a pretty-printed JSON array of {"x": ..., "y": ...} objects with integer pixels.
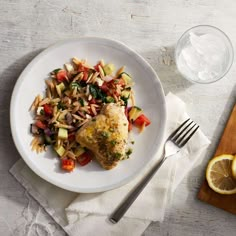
[{"x": 185, "y": 131}]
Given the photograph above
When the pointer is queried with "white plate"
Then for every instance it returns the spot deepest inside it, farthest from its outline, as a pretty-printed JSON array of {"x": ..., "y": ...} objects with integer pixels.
[{"x": 149, "y": 96}]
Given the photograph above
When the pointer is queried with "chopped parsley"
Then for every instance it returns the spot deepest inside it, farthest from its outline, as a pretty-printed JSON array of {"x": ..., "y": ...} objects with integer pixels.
[
  {"x": 93, "y": 91},
  {"x": 113, "y": 142},
  {"x": 56, "y": 70},
  {"x": 117, "y": 155},
  {"x": 74, "y": 85},
  {"x": 129, "y": 152},
  {"x": 111, "y": 129},
  {"x": 104, "y": 134},
  {"x": 81, "y": 101},
  {"x": 96, "y": 92},
  {"x": 60, "y": 105}
]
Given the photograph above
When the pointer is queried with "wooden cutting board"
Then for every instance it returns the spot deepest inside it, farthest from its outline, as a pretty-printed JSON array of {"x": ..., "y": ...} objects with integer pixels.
[{"x": 227, "y": 145}]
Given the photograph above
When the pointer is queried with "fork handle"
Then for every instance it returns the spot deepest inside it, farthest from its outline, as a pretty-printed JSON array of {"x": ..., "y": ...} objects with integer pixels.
[{"x": 128, "y": 201}]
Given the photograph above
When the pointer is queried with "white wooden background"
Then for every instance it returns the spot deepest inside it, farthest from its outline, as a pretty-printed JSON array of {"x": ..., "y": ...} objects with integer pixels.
[{"x": 29, "y": 26}]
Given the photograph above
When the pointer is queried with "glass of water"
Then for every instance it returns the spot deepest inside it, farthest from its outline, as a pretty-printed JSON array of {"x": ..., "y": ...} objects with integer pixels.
[{"x": 204, "y": 54}]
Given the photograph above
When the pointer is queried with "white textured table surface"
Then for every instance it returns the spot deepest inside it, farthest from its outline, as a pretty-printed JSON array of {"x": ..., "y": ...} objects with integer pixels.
[{"x": 29, "y": 26}]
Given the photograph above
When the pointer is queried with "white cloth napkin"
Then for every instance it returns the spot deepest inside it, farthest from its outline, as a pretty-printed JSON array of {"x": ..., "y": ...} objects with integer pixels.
[{"x": 86, "y": 214}]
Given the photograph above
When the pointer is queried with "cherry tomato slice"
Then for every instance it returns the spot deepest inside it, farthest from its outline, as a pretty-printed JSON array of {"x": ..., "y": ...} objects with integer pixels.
[
  {"x": 71, "y": 137},
  {"x": 40, "y": 124},
  {"x": 104, "y": 87},
  {"x": 141, "y": 119},
  {"x": 96, "y": 67},
  {"x": 61, "y": 75},
  {"x": 48, "y": 109},
  {"x": 85, "y": 75},
  {"x": 93, "y": 101},
  {"x": 84, "y": 159},
  {"x": 67, "y": 164}
]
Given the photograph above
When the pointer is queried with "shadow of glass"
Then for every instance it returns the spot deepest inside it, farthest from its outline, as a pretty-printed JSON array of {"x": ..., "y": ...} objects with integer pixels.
[{"x": 163, "y": 62}]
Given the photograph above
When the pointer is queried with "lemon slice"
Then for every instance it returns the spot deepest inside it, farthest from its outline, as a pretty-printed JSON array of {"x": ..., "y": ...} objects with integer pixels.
[
  {"x": 234, "y": 167},
  {"x": 219, "y": 174}
]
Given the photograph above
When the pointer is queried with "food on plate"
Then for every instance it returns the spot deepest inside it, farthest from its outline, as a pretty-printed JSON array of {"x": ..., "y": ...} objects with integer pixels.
[
  {"x": 219, "y": 174},
  {"x": 106, "y": 135},
  {"x": 78, "y": 100}
]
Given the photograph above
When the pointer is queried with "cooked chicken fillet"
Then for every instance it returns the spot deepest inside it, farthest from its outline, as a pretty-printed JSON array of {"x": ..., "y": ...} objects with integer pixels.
[{"x": 106, "y": 135}]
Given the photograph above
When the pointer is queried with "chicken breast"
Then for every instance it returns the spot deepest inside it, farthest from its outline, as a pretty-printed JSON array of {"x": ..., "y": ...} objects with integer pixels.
[{"x": 106, "y": 135}]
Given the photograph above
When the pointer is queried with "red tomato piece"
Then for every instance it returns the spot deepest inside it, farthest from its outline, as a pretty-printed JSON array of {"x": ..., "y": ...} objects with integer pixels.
[
  {"x": 40, "y": 124},
  {"x": 142, "y": 119},
  {"x": 67, "y": 164},
  {"x": 48, "y": 109},
  {"x": 71, "y": 137},
  {"x": 81, "y": 68},
  {"x": 104, "y": 87},
  {"x": 96, "y": 67},
  {"x": 61, "y": 75},
  {"x": 84, "y": 159},
  {"x": 93, "y": 101},
  {"x": 85, "y": 75}
]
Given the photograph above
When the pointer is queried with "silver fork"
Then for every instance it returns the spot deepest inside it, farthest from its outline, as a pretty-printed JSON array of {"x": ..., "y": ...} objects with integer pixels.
[{"x": 173, "y": 144}]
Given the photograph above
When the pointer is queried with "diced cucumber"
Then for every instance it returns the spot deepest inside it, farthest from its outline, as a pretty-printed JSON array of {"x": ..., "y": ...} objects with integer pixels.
[
  {"x": 126, "y": 77},
  {"x": 60, "y": 150},
  {"x": 62, "y": 133},
  {"x": 134, "y": 113},
  {"x": 79, "y": 151},
  {"x": 108, "y": 69},
  {"x": 61, "y": 117},
  {"x": 125, "y": 94},
  {"x": 60, "y": 87},
  {"x": 110, "y": 99}
]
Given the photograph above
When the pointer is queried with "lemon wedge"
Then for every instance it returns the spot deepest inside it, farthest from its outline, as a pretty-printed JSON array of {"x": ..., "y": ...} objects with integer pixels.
[
  {"x": 219, "y": 174},
  {"x": 234, "y": 167}
]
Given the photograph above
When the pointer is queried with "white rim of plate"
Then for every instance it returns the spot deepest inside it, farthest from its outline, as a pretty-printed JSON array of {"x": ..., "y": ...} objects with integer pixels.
[{"x": 31, "y": 164}]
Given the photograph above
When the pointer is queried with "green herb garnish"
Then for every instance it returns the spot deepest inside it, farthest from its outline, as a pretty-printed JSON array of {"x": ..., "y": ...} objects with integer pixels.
[
  {"x": 104, "y": 134},
  {"x": 117, "y": 155},
  {"x": 74, "y": 85},
  {"x": 60, "y": 105},
  {"x": 129, "y": 151},
  {"x": 93, "y": 91},
  {"x": 113, "y": 142},
  {"x": 81, "y": 101},
  {"x": 111, "y": 129},
  {"x": 56, "y": 70},
  {"x": 96, "y": 92}
]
